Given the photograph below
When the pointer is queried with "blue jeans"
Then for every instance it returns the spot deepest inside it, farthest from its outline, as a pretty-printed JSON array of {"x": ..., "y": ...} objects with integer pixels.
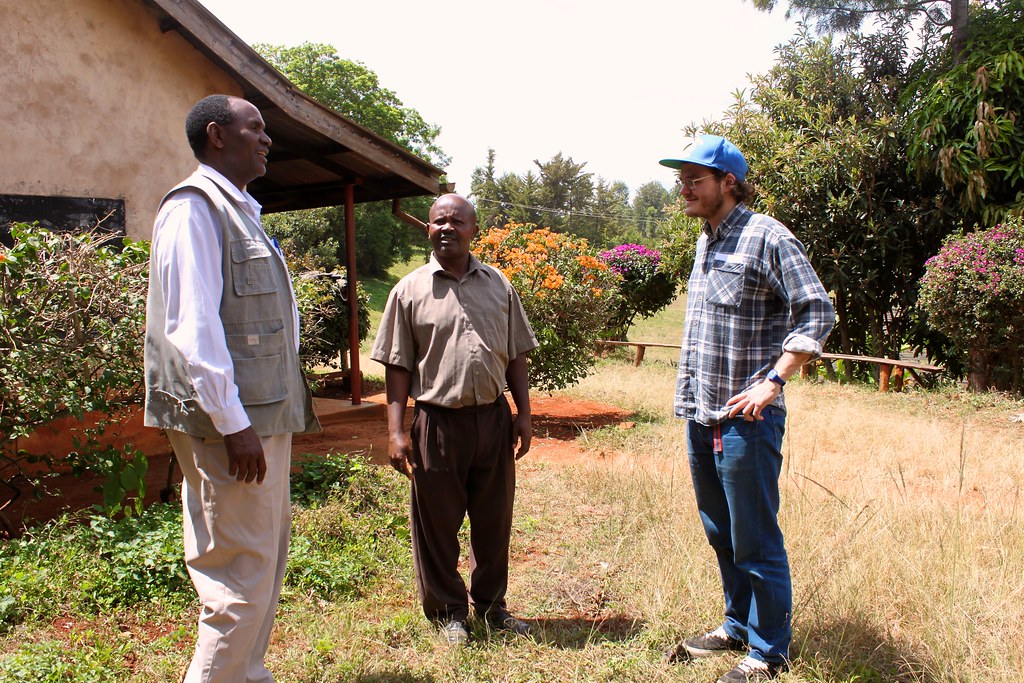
[{"x": 735, "y": 468}]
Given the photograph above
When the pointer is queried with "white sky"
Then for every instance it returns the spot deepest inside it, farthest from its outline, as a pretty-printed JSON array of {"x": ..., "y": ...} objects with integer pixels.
[{"x": 608, "y": 83}]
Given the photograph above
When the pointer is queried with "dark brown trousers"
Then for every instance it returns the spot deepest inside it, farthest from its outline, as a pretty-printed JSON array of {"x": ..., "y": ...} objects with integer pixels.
[{"x": 463, "y": 463}]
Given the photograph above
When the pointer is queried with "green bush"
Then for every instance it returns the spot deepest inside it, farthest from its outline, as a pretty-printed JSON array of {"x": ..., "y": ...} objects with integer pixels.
[
  {"x": 89, "y": 658},
  {"x": 72, "y": 311},
  {"x": 352, "y": 528},
  {"x": 69, "y": 567},
  {"x": 645, "y": 288},
  {"x": 569, "y": 296},
  {"x": 323, "y": 308},
  {"x": 72, "y": 316},
  {"x": 973, "y": 292}
]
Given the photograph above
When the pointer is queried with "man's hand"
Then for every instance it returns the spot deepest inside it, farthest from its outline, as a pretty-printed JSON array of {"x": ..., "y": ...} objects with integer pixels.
[
  {"x": 751, "y": 402},
  {"x": 399, "y": 450},
  {"x": 246, "y": 461},
  {"x": 522, "y": 433}
]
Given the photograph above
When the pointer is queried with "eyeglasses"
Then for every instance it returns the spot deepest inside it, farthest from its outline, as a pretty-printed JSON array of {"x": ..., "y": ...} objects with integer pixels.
[{"x": 691, "y": 183}]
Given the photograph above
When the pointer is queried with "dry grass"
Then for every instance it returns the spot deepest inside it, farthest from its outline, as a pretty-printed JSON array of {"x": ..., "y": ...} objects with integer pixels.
[
  {"x": 903, "y": 517},
  {"x": 903, "y": 520}
]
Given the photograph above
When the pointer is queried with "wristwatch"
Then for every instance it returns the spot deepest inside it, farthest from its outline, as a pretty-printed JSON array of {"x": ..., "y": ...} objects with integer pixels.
[{"x": 774, "y": 377}]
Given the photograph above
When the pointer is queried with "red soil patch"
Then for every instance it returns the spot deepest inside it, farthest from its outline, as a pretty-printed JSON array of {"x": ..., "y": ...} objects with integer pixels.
[{"x": 557, "y": 422}]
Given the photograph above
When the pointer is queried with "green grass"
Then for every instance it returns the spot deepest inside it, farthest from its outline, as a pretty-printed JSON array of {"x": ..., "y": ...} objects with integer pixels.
[{"x": 901, "y": 512}]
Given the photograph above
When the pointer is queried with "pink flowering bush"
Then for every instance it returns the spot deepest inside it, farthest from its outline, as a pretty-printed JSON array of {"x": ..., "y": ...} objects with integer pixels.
[
  {"x": 645, "y": 288},
  {"x": 973, "y": 292}
]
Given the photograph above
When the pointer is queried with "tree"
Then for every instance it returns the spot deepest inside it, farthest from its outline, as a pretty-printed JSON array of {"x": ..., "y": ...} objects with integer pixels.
[
  {"x": 565, "y": 190},
  {"x": 966, "y": 121},
  {"x": 843, "y": 16},
  {"x": 354, "y": 91},
  {"x": 649, "y": 208},
  {"x": 823, "y": 132}
]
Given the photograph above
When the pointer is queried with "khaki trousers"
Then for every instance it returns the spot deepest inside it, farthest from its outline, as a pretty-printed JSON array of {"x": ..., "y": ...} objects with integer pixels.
[{"x": 236, "y": 551}]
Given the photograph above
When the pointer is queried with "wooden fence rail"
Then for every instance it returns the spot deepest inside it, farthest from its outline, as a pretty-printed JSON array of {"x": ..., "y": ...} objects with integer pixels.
[{"x": 890, "y": 370}]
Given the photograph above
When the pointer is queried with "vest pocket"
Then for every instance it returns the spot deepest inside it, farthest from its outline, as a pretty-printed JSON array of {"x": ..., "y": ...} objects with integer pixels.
[
  {"x": 259, "y": 366},
  {"x": 251, "y": 269}
]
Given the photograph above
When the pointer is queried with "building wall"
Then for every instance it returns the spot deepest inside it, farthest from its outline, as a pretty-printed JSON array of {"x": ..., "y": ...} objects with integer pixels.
[{"x": 93, "y": 99}]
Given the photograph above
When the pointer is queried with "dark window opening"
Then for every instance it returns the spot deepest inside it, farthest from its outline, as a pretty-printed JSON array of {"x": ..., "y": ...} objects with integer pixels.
[{"x": 61, "y": 214}]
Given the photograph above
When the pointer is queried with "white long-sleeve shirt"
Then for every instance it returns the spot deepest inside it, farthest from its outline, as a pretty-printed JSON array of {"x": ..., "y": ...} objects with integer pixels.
[{"x": 187, "y": 249}]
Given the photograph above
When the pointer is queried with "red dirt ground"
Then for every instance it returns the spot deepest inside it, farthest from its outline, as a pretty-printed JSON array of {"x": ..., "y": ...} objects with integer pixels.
[{"x": 557, "y": 422}]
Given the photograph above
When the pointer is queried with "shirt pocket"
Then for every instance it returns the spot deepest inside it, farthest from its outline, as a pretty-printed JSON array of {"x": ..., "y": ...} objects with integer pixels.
[
  {"x": 259, "y": 364},
  {"x": 251, "y": 269},
  {"x": 725, "y": 284}
]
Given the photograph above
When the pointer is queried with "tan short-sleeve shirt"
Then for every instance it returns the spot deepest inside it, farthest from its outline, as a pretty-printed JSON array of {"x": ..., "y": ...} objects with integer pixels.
[{"x": 456, "y": 337}]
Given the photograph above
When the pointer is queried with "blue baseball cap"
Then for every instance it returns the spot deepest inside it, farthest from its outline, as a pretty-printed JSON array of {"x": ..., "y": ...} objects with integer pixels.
[{"x": 712, "y": 151}]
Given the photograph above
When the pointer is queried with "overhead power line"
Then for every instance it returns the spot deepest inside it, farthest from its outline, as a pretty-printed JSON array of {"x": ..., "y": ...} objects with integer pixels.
[{"x": 565, "y": 212}]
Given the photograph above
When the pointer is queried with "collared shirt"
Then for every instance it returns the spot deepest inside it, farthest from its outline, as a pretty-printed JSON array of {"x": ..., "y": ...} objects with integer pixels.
[
  {"x": 456, "y": 337},
  {"x": 752, "y": 294},
  {"x": 187, "y": 257}
]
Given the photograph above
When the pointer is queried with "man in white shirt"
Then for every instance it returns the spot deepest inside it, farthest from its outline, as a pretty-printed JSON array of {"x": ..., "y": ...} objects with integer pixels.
[{"x": 224, "y": 381}]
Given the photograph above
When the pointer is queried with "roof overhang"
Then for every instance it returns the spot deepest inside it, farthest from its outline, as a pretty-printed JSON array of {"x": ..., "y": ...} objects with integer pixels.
[{"x": 316, "y": 152}]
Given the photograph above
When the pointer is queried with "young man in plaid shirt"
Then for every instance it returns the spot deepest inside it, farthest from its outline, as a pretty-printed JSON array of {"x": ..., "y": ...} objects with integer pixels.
[{"x": 756, "y": 312}]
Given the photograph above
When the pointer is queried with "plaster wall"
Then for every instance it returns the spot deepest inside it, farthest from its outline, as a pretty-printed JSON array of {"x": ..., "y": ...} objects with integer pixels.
[{"x": 93, "y": 99}]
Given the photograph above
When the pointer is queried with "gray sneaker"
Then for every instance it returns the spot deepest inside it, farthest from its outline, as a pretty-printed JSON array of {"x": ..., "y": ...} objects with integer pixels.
[{"x": 453, "y": 633}]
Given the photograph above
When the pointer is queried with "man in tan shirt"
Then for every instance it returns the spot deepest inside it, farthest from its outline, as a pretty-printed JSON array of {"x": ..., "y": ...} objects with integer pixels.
[{"x": 454, "y": 333}]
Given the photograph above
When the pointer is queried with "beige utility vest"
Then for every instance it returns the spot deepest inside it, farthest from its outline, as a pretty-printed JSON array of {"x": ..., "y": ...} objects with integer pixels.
[{"x": 257, "y": 313}]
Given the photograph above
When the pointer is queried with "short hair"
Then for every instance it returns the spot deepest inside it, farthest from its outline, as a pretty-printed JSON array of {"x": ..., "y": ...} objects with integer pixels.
[
  {"x": 210, "y": 109},
  {"x": 741, "y": 191}
]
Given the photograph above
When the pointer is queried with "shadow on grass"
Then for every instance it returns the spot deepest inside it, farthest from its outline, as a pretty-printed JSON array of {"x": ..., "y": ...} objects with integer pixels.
[
  {"x": 394, "y": 677},
  {"x": 576, "y": 634},
  {"x": 858, "y": 651},
  {"x": 569, "y": 428}
]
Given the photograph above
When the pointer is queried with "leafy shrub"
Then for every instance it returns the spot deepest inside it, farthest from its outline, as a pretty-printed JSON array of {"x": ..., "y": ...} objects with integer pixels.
[
  {"x": 323, "y": 309},
  {"x": 66, "y": 566},
  {"x": 89, "y": 658},
  {"x": 973, "y": 292},
  {"x": 353, "y": 529},
  {"x": 72, "y": 316},
  {"x": 569, "y": 296},
  {"x": 72, "y": 311},
  {"x": 645, "y": 288}
]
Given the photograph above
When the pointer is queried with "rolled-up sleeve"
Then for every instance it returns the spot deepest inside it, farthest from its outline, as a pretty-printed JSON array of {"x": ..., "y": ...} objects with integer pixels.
[{"x": 811, "y": 313}]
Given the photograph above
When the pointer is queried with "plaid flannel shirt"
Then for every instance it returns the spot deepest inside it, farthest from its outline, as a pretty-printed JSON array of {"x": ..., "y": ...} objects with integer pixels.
[{"x": 752, "y": 294}]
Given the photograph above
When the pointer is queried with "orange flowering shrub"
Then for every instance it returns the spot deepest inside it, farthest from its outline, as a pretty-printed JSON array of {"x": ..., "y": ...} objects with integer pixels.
[{"x": 568, "y": 293}]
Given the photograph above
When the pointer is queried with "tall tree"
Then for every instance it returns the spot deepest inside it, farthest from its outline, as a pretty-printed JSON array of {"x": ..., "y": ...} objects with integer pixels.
[
  {"x": 649, "y": 208},
  {"x": 842, "y": 16},
  {"x": 354, "y": 91},
  {"x": 966, "y": 120},
  {"x": 823, "y": 133},
  {"x": 565, "y": 190},
  {"x": 484, "y": 191}
]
